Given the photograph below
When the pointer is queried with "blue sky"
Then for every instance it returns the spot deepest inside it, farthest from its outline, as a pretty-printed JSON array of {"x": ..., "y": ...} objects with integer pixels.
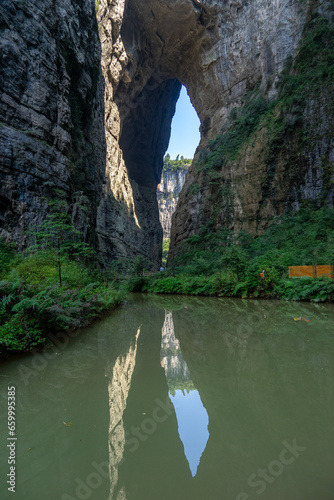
[{"x": 185, "y": 128}]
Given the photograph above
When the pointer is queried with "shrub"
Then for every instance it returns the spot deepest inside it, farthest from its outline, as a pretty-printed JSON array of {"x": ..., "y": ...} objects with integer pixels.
[
  {"x": 301, "y": 238},
  {"x": 7, "y": 256}
]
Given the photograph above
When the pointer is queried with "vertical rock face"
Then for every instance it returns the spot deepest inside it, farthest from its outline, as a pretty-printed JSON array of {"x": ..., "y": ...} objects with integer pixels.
[
  {"x": 167, "y": 194},
  {"x": 288, "y": 158},
  {"x": 139, "y": 110},
  {"x": 218, "y": 52},
  {"x": 120, "y": 377},
  {"x": 86, "y": 107},
  {"x": 51, "y": 113},
  {"x": 176, "y": 369}
]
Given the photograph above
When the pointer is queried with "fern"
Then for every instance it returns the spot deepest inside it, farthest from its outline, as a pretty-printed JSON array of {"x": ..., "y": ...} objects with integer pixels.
[{"x": 240, "y": 286}]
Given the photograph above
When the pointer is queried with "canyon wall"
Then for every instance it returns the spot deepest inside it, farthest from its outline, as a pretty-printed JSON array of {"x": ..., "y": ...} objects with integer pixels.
[
  {"x": 275, "y": 150},
  {"x": 51, "y": 114},
  {"x": 88, "y": 92}
]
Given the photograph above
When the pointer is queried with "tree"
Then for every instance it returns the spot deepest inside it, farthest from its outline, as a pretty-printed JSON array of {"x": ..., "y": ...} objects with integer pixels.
[
  {"x": 177, "y": 164},
  {"x": 58, "y": 234}
]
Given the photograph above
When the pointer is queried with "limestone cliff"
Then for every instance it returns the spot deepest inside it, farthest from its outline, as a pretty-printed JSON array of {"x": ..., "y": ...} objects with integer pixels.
[
  {"x": 168, "y": 192},
  {"x": 87, "y": 94},
  {"x": 275, "y": 150}
]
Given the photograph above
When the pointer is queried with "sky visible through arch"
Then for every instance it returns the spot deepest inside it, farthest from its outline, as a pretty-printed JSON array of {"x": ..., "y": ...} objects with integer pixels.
[{"x": 185, "y": 128}]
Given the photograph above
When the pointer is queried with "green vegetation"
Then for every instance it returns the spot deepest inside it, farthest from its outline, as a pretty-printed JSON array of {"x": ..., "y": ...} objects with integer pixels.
[
  {"x": 307, "y": 78},
  {"x": 97, "y": 6},
  {"x": 7, "y": 255},
  {"x": 165, "y": 250},
  {"x": 313, "y": 66},
  {"x": 55, "y": 285},
  {"x": 57, "y": 233},
  {"x": 179, "y": 384},
  {"x": 33, "y": 304},
  {"x": 216, "y": 262},
  {"x": 242, "y": 123},
  {"x": 177, "y": 164},
  {"x": 220, "y": 263}
]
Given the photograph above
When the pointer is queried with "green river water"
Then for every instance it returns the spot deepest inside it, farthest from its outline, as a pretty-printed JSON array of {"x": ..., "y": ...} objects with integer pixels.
[{"x": 174, "y": 398}]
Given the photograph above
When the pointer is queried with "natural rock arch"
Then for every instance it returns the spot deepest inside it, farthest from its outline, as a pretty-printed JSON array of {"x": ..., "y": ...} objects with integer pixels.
[
  {"x": 218, "y": 51},
  {"x": 87, "y": 101}
]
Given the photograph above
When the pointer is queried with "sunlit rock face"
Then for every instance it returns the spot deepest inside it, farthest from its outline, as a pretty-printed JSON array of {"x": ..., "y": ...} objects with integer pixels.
[
  {"x": 88, "y": 91},
  {"x": 254, "y": 41},
  {"x": 176, "y": 370},
  {"x": 120, "y": 376},
  {"x": 219, "y": 52}
]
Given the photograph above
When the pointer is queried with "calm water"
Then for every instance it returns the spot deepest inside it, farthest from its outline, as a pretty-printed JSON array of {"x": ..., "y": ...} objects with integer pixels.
[{"x": 179, "y": 398}]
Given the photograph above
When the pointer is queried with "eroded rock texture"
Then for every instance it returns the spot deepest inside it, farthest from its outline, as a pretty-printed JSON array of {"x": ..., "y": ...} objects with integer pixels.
[
  {"x": 86, "y": 107},
  {"x": 283, "y": 164},
  {"x": 51, "y": 115},
  {"x": 218, "y": 51}
]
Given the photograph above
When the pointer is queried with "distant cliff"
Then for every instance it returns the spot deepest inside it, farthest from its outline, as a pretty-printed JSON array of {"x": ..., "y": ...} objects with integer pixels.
[{"x": 168, "y": 191}]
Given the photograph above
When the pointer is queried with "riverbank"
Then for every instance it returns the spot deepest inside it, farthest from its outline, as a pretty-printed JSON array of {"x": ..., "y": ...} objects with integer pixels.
[
  {"x": 40, "y": 295},
  {"x": 221, "y": 263},
  {"x": 226, "y": 285},
  {"x": 35, "y": 305}
]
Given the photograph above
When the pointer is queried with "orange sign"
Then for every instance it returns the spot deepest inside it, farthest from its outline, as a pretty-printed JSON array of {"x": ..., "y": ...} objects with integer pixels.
[{"x": 311, "y": 271}]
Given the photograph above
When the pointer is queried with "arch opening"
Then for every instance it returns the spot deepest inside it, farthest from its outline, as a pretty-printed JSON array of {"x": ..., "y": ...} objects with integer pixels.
[
  {"x": 146, "y": 128},
  {"x": 185, "y": 136},
  {"x": 160, "y": 119}
]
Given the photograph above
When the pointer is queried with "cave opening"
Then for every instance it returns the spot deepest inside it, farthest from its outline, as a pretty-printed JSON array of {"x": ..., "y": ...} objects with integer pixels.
[{"x": 160, "y": 119}]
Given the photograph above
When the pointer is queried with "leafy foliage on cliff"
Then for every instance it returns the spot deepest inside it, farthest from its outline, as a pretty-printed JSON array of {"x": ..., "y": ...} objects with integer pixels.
[
  {"x": 306, "y": 81},
  {"x": 313, "y": 66},
  {"x": 7, "y": 255},
  {"x": 242, "y": 123},
  {"x": 220, "y": 263},
  {"x": 310, "y": 72},
  {"x": 180, "y": 163},
  {"x": 55, "y": 285}
]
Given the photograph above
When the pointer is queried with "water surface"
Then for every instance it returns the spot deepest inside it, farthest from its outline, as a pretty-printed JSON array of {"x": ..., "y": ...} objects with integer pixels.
[{"x": 179, "y": 397}]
